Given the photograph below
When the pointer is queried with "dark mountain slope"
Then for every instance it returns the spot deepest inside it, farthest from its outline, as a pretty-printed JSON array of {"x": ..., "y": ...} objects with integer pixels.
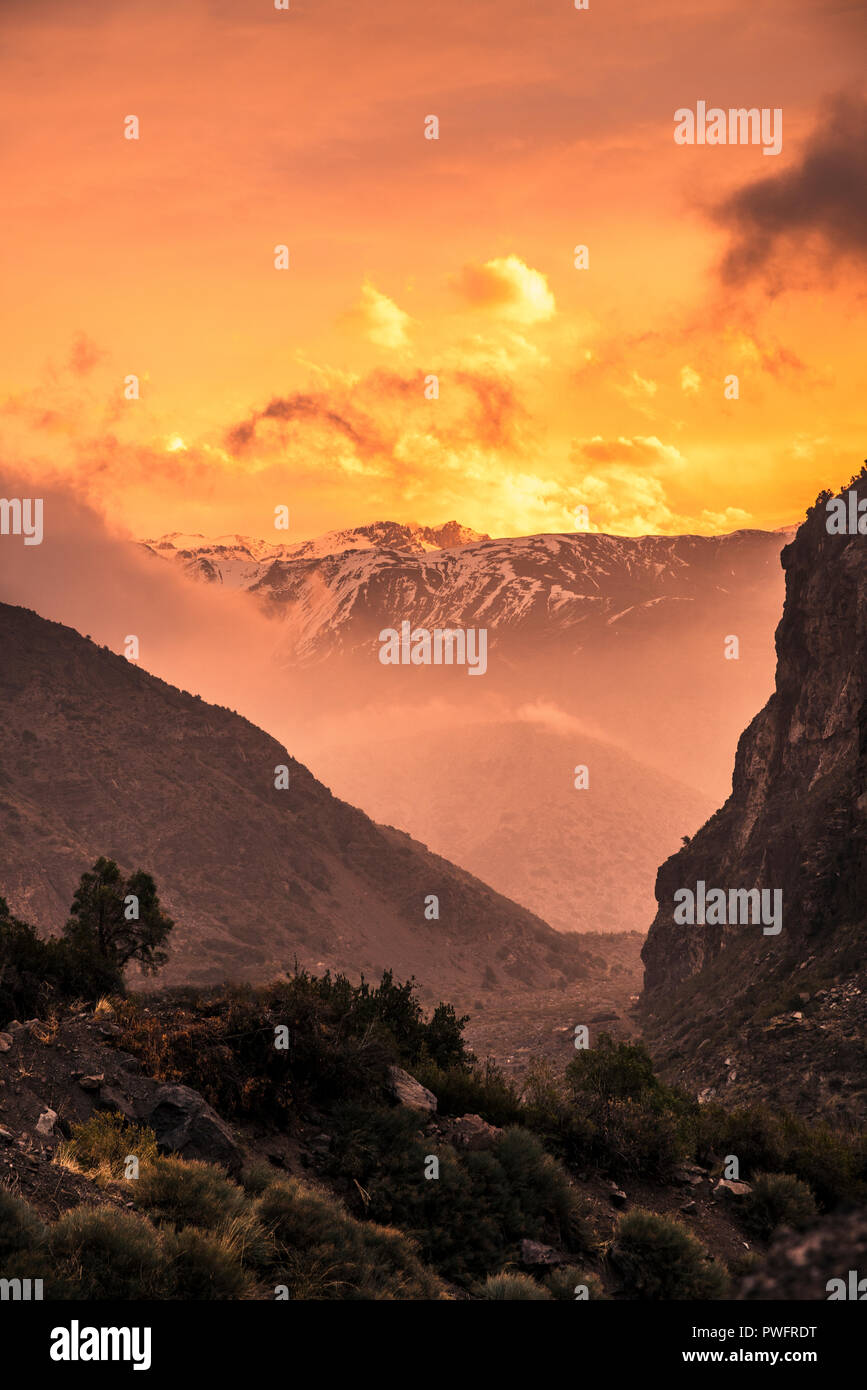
[
  {"x": 96, "y": 756},
  {"x": 784, "y": 1016}
]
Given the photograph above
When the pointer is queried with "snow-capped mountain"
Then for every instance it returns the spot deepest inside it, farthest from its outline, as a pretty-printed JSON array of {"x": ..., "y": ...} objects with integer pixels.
[
  {"x": 342, "y": 587},
  {"x": 240, "y": 562}
]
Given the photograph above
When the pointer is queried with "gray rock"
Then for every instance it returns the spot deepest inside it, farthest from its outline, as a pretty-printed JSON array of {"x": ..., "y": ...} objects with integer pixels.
[
  {"x": 534, "y": 1253},
  {"x": 727, "y": 1190},
  {"x": 185, "y": 1124},
  {"x": 409, "y": 1092},
  {"x": 46, "y": 1122},
  {"x": 472, "y": 1132}
]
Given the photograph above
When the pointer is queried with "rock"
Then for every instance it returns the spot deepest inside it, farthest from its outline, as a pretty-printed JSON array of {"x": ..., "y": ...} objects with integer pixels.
[
  {"x": 409, "y": 1092},
  {"x": 91, "y": 1083},
  {"x": 6, "y": 1135},
  {"x": 689, "y": 1208},
  {"x": 110, "y": 1098},
  {"x": 472, "y": 1132},
  {"x": 688, "y": 1175},
  {"x": 46, "y": 1122},
  {"x": 618, "y": 1197},
  {"x": 185, "y": 1124},
  {"x": 606, "y": 1016},
  {"x": 727, "y": 1190},
  {"x": 6, "y": 1041},
  {"x": 534, "y": 1253}
]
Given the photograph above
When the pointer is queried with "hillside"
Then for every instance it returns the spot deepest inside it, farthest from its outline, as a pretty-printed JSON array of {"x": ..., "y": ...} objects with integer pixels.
[
  {"x": 98, "y": 757},
  {"x": 499, "y": 799},
  {"x": 783, "y": 1017}
]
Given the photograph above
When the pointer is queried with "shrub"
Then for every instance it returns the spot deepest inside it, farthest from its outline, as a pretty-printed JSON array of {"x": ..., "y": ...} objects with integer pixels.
[
  {"x": 472, "y": 1090},
  {"x": 198, "y": 1266},
  {"x": 20, "y": 1228},
  {"x": 777, "y": 1199},
  {"x": 657, "y": 1258},
  {"x": 323, "y": 1252},
  {"x": 105, "y": 1253},
  {"x": 469, "y": 1220},
  {"x": 189, "y": 1194},
  {"x": 103, "y": 1143},
  {"x": 512, "y": 1286}
]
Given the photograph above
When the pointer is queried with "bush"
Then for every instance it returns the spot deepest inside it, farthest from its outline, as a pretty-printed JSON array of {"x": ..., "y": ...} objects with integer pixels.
[
  {"x": 189, "y": 1194},
  {"x": 20, "y": 1228},
  {"x": 323, "y": 1252},
  {"x": 657, "y": 1258},
  {"x": 105, "y": 1141},
  {"x": 777, "y": 1199},
  {"x": 36, "y": 974},
  {"x": 104, "y": 1253},
  {"x": 467, "y": 1222},
  {"x": 512, "y": 1286},
  {"x": 198, "y": 1266},
  {"x": 472, "y": 1090}
]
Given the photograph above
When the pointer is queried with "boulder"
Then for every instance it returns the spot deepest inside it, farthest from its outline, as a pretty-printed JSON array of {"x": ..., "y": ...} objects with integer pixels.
[
  {"x": 91, "y": 1083},
  {"x": 534, "y": 1253},
  {"x": 472, "y": 1132},
  {"x": 409, "y": 1092},
  {"x": 5, "y": 1041},
  {"x": 727, "y": 1190},
  {"x": 185, "y": 1124},
  {"x": 46, "y": 1122}
]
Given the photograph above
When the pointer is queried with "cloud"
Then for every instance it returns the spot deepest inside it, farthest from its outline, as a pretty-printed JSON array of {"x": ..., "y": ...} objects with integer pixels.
[
  {"x": 824, "y": 196},
  {"x": 507, "y": 287},
  {"x": 690, "y": 381},
  {"x": 379, "y": 319},
  {"x": 84, "y": 355}
]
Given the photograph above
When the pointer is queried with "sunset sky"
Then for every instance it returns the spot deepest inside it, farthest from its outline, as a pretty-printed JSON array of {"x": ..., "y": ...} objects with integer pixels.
[{"x": 408, "y": 257}]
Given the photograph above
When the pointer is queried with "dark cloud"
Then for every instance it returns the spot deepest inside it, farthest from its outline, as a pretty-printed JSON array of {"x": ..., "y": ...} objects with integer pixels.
[
  {"x": 824, "y": 195},
  {"x": 303, "y": 406}
]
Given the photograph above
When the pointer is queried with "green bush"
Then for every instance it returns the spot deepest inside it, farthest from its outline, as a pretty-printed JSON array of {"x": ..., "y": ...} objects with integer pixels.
[
  {"x": 777, "y": 1199},
  {"x": 189, "y": 1194},
  {"x": 103, "y": 1143},
  {"x": 513, "y": 1286},
  {"x": 104, "y": 1253},
  {"x": 36, "y": 975},
  {"x": 471, "y": 1090},
  {"x": 657, "y": 1258},
  {"x": 198, "y": 1266},
  {"x": 469, "y": 1219},
  {"x": 323, "y": 1252},
  {"x": 20, "y": 1228}
]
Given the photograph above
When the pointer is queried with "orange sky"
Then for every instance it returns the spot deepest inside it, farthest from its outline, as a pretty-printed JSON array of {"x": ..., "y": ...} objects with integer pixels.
[{"x": 558, "y": 387}]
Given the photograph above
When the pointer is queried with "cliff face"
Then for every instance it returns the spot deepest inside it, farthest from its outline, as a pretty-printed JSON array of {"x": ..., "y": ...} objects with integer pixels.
[{"x": 727, "y": 1006}]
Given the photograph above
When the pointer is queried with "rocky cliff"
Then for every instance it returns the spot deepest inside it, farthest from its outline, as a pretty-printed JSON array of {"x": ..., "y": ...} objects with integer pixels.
[{"x": 729, "y": 1005}]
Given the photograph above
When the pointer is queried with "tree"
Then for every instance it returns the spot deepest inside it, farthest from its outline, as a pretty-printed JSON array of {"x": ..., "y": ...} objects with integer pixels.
[{"x": 119, "y": 919}]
